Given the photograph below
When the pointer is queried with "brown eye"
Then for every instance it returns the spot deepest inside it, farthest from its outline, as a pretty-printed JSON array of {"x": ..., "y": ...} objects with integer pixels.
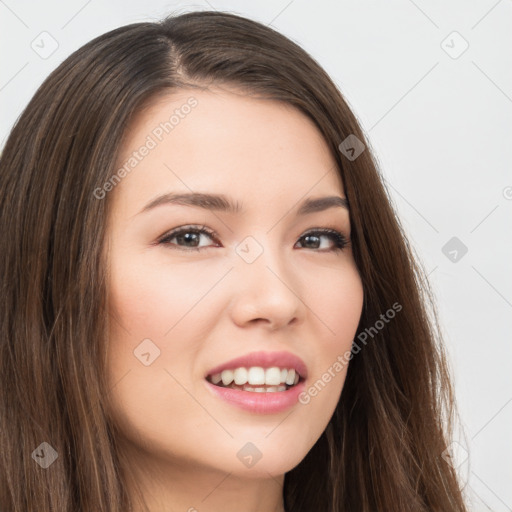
[
  {"x": 312, "y": 240},
  {"x": 187, "y": 238}
]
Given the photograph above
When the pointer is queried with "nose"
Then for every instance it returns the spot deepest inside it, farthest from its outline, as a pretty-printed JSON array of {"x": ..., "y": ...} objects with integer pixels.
[{"x": 266, "y": 292}]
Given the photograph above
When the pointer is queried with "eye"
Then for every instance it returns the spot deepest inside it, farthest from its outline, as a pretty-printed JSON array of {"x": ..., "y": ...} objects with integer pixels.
[
  {"x": 313, "y": 240},
  {"x": 189, "y": 236}
]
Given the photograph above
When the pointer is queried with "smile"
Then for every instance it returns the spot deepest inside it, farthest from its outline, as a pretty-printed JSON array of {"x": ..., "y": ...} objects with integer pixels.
[{"x": 256, "y": 379}]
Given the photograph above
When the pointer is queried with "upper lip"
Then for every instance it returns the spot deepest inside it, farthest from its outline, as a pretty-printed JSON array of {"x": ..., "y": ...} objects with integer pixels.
[{"x": 265, "y": 360}]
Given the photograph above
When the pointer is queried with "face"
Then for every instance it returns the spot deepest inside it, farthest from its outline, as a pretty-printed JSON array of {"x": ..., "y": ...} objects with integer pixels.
[{"x": 194, "y": 286}]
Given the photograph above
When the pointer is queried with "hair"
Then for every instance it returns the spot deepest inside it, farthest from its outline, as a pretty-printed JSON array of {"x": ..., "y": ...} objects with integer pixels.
[{"x": 382, "y": 448}]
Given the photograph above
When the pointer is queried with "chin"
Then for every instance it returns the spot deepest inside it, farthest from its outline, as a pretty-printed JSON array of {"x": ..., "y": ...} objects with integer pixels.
[{"x": 270, "y": 462}]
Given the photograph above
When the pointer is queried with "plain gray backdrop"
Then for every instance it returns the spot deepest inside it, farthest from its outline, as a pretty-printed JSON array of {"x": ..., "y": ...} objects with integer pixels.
[{"x": 431, "y": 83}]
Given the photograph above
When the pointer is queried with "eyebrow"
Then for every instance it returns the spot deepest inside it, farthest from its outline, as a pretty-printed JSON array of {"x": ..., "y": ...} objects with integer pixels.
[{"x": 219, "y": 202}]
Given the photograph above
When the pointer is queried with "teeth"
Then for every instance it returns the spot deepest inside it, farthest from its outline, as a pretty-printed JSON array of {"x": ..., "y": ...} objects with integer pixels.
[
  {"x": 253, "y": 378},
  {"x": 256, "y": 375},
  {"x": 227, "y": 377},
  {"x": 240, "y": 376},
  {"x": 290, "y": 378},
  {"x": 273, "y": 376}
]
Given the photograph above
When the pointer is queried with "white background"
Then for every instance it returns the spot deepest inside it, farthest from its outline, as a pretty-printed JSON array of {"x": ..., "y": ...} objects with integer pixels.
[{"x": 440, "y": 127}]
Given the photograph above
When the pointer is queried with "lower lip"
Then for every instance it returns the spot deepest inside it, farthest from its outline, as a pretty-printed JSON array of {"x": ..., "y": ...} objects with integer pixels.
[{"x": 259, "y": 403}]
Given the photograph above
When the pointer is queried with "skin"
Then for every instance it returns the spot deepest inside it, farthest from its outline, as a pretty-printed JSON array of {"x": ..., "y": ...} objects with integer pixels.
[{"x": 202, "y": 308}]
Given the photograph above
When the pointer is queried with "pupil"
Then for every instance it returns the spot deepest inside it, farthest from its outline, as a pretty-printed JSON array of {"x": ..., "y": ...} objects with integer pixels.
[
  {"x": 309, "y": 237},
  {"x": 188, "y": 237}
]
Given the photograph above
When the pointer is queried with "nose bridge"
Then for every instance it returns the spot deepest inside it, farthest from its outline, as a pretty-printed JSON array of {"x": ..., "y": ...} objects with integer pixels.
[{"x": 265, "y": 290}]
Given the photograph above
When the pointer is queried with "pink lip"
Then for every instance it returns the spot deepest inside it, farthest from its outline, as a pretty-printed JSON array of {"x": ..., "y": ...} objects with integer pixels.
[
  {"x": 265, "y": 360},
  {"x": 262, "y": 403}
]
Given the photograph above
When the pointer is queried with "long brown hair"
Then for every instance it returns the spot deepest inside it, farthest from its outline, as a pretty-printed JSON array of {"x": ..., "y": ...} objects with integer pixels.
[{"x": 382, "y": 449}]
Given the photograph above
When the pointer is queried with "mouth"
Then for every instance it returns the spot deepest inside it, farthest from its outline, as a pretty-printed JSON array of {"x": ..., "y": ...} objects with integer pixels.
[
  {"x": 256, "y": 379},
  {"x": 259, "y": 382}
]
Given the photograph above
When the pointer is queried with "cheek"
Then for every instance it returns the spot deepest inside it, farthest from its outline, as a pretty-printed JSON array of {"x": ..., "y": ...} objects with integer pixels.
[
  {"x": 164, "y": 311},
  {"x": 338, "y": 305},
  {"x": 350, "y": 297},
  {"x": 150, "y": 300}
]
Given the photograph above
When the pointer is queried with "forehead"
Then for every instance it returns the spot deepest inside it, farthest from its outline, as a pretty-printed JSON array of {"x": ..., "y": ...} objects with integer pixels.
[{"x": 227, "y": 142}]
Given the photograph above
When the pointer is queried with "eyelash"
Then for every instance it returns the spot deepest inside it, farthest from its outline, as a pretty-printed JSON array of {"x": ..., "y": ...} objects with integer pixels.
[{"x": 340, "y": 241}]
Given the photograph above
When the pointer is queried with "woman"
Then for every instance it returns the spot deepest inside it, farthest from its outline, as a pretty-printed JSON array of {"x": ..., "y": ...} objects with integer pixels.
[{"x": 290, "y": 363}]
